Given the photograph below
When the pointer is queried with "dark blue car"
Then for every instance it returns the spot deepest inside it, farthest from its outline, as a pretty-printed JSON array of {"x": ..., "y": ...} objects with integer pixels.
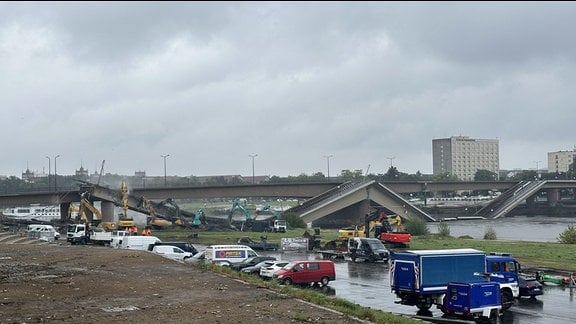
[{"x": 529, "y": 286}]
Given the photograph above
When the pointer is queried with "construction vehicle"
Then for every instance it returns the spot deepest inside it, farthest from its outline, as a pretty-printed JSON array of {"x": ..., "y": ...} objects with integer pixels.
[
  {"x": 199, "y": 218},
  {"x": 236, "y": 205},
  {"x": 379, "y": 226},
  {"x": 125, "y": 222},
  {"x": 84, "y": 234},
  {"x": 420, "y": 277},
  {"x": 82, "y": 215},
  {"x": 152, "y": 220}
]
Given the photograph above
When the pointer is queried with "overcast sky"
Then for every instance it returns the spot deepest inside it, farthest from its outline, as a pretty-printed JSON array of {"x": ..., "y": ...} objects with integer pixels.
[{"x": 211, "y": 83}]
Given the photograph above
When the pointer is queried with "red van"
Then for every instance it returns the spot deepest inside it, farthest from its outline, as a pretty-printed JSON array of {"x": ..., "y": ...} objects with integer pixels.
[{"x": 306, "y": 272}]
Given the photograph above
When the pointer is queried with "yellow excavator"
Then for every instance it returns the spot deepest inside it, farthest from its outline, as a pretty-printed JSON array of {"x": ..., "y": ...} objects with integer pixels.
[
  {"x": 153, "y": 221},
  {"x": 82, "y": 214},
  {"x": 125, "y": 222}
]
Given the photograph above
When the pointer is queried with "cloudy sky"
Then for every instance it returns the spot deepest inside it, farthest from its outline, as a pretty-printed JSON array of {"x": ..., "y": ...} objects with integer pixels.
[{"x": 211, "y": 83}]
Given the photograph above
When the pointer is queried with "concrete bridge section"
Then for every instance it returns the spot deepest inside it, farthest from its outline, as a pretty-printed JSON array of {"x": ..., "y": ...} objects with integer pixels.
[
  {"x": 360, "y": 196},
  {"x": 525, "y": 192},
  {"x": 323, "y": 199}
]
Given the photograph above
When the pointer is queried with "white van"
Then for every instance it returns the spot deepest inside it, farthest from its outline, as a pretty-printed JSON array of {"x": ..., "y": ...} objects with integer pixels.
[
  {"x": 42, "y": 232},
  {"x": 171, "y": 252},
  {"x": 138, "y": 242},
  {"x": 226, "y": 254}
]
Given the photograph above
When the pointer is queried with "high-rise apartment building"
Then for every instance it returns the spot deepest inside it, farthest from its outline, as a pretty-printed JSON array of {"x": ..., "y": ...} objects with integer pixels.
[
  {"x": 560, "y": 161},
  {"x": 463, "y": 156}
]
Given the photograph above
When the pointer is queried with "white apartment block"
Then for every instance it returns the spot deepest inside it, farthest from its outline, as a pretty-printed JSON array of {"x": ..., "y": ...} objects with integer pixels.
[
  {"x": 463, "y": 156},
  {"x": 560, "y": 161}
]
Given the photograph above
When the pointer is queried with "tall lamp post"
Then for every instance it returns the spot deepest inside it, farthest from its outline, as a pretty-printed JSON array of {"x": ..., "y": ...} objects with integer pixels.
[
  {"x": 55, "y": 174},
  {"x": 165, "y": 156},
  {"x": 537, "y": 169},
  {"x": 253, "y": 176},
  {"x": 49, "y": 171},
  {"x": 391, "y": 158},
  {"x": 328, "y": 163}
]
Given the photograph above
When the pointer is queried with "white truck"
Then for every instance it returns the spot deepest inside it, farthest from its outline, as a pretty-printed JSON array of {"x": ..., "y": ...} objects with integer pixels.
[{"x": 84, "y": 234}]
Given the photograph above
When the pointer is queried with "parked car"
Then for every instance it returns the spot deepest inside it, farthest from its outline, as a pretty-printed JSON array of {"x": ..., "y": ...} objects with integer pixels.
[
  {"x": 307, "y": 272},
  {"x": 263, "y": 245},
  {"x": 250, "y": 262},
  {"x": 256, "y": 268},
  {"x": 198, "y": 257},
  {"x": 267, "y": 272},
  {"x": 183, "y": 245},
  {"x": 227, "y": 254},
  {"x": 529, "y": 286},
  {"x": 172, "y": 252}
]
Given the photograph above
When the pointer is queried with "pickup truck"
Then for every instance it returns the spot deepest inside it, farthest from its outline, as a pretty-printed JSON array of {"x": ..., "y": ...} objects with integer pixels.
[{"x": 263, "y": 245}]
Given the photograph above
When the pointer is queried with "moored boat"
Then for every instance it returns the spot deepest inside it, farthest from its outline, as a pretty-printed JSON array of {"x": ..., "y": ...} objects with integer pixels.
[{"x": 32, "y": 213}]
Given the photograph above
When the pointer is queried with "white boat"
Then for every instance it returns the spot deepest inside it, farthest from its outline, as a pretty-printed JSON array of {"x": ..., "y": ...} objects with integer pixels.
[{"x": 32, "y": 213}]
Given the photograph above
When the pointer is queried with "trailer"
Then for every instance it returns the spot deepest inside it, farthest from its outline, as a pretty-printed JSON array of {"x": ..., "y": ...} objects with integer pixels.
[{"x": 474, "y": 300}]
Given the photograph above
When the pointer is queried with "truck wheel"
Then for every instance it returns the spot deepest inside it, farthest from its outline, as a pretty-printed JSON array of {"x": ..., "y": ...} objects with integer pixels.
[
  {"x": 425, "y": 304},
  {"x": 507, "y": 299},
  {"x": 325, "y": 281}
]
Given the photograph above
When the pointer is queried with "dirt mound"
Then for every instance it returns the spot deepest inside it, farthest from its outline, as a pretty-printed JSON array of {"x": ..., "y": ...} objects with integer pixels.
[{"x": 70, "y": 284}]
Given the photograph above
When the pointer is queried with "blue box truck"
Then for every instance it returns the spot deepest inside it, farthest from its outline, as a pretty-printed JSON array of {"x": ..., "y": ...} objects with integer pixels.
[{"x": 420, "y": 277}]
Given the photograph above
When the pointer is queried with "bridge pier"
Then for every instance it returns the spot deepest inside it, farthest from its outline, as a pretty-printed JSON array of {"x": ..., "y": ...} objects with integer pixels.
[
  {"x": 64, "y": 212},
  {"x": 553, "y": 196},
  {"x": 107, "y": 210},
  {"x": 531, "y": 202}
]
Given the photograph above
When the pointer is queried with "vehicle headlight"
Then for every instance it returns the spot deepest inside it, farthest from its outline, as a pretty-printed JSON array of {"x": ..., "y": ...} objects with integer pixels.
[{"x": 279, "y": 276}]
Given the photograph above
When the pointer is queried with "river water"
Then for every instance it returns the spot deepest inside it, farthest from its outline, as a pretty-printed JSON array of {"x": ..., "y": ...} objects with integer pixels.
[{"x": 518, "y": 228}]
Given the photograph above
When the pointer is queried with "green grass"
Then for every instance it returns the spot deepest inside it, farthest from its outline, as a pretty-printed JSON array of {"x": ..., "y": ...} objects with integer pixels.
[
  {"x": 544, "y": 254},
  {"x": 541, "y": 254}
]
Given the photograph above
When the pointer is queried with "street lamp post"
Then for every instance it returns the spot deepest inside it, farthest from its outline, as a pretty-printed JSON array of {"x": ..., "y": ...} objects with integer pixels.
[
  {"x": 165, "y": 156},
  {"x": 253, "y": 176},
  {"x": 55, "y": 174},
  {"x": 49, "y": 171},
  {"x": 391, "y": 158},
  {"x": 328, "y": 164},
  {"x": 537, "y": 169}
]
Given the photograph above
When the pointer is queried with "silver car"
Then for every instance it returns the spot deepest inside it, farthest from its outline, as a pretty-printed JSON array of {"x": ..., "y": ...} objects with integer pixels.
[{"x": 268, "y": 271}]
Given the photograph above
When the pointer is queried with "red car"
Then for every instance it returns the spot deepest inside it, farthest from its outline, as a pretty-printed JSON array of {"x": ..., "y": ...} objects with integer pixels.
[{"x": 307, "y": 272}]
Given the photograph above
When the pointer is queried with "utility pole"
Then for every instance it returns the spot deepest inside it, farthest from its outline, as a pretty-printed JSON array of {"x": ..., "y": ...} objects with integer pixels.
[
  {"x": 55, "y": 174},
  {"x": 49, "y": 170},
  {"x": 165, "y": 156},
  {"x": 253, "y": 176},
  {"x": 328, "y": 164},
  {"x": 391, "y": 158}
]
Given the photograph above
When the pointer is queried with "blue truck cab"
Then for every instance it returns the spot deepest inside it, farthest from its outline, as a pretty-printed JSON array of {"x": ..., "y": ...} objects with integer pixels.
[
  {"x": 504, "y": 269},
  {"x": 420, "y": 277}
]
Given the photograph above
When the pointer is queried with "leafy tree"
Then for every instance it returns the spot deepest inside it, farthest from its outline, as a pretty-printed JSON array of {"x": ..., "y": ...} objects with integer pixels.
[
  {"x": 568, "y": 236},
  {"x": 485, "y": 175}
]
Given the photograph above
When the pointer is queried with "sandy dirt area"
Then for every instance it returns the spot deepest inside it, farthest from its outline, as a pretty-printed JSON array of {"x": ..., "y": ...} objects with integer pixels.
[{"x": 61, "y": 283}]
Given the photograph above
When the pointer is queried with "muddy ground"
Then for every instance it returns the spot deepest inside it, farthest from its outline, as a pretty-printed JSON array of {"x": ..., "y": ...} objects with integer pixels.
[{"x": 61, "y": 283}]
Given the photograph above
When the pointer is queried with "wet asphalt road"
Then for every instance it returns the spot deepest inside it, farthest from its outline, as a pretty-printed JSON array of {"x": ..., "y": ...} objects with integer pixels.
[{"x": 368, "y": 284}]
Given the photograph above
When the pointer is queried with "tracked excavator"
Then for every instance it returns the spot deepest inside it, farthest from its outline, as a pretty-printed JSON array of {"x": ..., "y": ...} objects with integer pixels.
[
  {"x": 82, "y": 215},
  {"x": 125, "y": 222}
]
